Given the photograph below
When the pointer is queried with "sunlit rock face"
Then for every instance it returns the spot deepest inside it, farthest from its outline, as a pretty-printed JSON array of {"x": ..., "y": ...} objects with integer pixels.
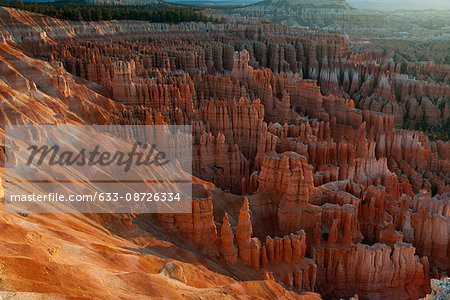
[{"x": 303, "y": 186}]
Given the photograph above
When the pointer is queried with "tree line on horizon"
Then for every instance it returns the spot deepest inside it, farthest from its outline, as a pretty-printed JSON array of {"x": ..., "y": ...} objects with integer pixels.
[{"x": 83, "y": 11}]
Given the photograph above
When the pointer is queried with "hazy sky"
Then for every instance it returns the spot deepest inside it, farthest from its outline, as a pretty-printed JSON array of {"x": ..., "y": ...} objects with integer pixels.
[
  {"x": 367, "y": 4},
  {"x": 400, "y": 4}
]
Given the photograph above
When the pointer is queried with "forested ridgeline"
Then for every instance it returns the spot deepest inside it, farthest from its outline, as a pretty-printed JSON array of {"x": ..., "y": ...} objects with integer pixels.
[{"x": 83, "y": 11}]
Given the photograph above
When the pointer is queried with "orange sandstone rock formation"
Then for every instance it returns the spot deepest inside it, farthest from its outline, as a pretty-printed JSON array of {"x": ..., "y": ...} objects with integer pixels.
[{"x": 296, "y": 156}]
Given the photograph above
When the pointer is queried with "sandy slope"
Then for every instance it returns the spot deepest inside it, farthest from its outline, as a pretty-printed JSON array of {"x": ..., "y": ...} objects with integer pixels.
[{"x": 74, "y": 256}]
